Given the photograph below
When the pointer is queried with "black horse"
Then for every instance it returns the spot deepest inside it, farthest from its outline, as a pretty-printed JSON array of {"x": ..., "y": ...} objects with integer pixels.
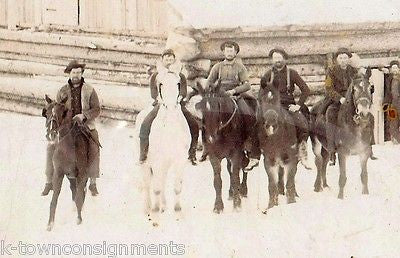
[
  {"x": 354, "y": 134},
  {"x": 278, "y": 141},
  {"x": 69, "y": 158},
  {"x": 225, "y": 135}
]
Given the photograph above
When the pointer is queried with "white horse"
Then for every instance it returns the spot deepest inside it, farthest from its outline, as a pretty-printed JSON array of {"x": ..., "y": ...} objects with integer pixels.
[{"x": 169, "y": 142}]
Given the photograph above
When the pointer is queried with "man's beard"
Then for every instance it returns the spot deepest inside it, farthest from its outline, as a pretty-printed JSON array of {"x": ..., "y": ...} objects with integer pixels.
[
  {"x": 279, "y": 65},
  {"x": 75, "y": 80},
  {"x": 230, "y": 58}
]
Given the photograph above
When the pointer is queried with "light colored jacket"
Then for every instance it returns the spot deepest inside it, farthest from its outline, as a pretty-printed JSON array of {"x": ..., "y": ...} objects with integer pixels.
[{"x": 89, "y": 100}]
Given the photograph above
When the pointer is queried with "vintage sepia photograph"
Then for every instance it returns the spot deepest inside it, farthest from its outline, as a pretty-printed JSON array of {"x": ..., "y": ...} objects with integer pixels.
[{"x": 200, "y": 128}]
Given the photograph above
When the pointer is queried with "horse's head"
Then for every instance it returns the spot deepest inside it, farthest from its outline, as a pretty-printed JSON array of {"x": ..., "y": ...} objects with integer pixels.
[
  {"x": 269, "y": 99},
  {"x": 360, "y": 94},
  {"x": 168, "y": 80},
  {"x": 61, "y": 115},
  {"x": 47, "y": 112},
  {"x": 217, "y": 110}
]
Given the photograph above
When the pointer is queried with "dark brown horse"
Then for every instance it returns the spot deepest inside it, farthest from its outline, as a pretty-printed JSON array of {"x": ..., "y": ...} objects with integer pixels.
[
  {"x": 354, "y": 134},
  {"x": 69, "y": 158},
  {"x": 224, "y": 138},
  {"x": 278, "y": 141}
]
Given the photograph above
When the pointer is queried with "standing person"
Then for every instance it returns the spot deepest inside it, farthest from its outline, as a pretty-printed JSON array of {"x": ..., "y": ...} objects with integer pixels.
[
  {"x": 168, "y": 59},
  {"x": 231, "y": 76},
  {"x": 394, "y": 99},
  {"x": 83, "y": 101},
  {"x": 285, "y": 79}
]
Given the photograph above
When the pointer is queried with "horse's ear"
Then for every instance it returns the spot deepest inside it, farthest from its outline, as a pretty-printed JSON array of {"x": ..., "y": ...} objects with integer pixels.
[
  {"x": 48, "y": 99},
  {"x": 44, "y": 113},
  {"x": 368, "y": 73}
]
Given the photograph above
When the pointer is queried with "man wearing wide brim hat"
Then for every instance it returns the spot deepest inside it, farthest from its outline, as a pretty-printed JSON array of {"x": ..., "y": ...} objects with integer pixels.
[
  {"x": 285, "y": 79},
  {"x": 83, "y": 102},
  {"x": 337, "y": 81},
  {"x": 231, "y": 76}
]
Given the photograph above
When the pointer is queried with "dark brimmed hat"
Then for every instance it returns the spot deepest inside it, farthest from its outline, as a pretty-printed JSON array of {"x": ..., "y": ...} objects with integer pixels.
[
  {"x": 230, "y": 44},
  {"x": 74, "y": 64},
  {"x": 168, "y": 51},
  {"x": 278, "y": 50},
  {"x": 394, "y": 62},
  {"x": 343, "y": 50}
]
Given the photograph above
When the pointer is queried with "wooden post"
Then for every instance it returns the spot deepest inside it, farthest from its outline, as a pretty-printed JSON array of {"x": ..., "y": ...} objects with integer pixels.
[
  {"x": 377, "y": 79},
  {"x": 38, "y": 13}
]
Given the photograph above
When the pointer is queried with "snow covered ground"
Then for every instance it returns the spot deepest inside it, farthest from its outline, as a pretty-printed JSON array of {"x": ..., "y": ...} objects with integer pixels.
[{"x": 318, "y": 225}]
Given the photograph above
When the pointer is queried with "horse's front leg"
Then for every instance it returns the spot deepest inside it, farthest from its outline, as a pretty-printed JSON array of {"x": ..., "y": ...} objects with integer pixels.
[
  {"x": 290, "y": 171},
  {"x": 216, "y": 164},
  {"x": 273, "y": 175},
  {"x": 236, "y": 166},
  {"x": 178, "y": 186},
  {"x": 319, "y": 163},
  {"x": 364, "y": 173},
  {"x": 229, "y": 168},
  {"x": 342, "y": 177},
  {"x": 80, "y": 195},
  {"x": 57, "y": 183},
  {"x": 243, "y": 185}
]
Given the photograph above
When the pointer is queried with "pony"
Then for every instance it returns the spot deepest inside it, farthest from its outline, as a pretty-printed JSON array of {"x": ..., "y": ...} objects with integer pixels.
[
  {"x": 169, "y": 141},
  {"x": 224, "y": 135},
  {"x": 278, "y": 141},
  {"x": 354, "y": 134}
]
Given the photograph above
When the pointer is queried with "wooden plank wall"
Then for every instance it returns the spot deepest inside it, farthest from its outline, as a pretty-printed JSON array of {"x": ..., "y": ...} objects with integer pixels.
[
  {"x": 128, "y": 15},
  {"x": 102, "y": 15},
  {"x": 3, "y": 12}
]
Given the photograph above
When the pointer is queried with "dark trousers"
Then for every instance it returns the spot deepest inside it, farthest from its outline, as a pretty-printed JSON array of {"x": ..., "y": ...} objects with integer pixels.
[
  {"x": 193, "y": 127},
  {"x": 248, "y": 109},
  {"x": 331, "y": 125},
  {"x": 301, "y": 120}
]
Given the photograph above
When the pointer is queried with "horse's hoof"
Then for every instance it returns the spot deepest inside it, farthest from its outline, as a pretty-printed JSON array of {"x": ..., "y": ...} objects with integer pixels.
[
  {"x": 243, "y": 192},
  {"x": 155, "y": 224},
  {"x": 340, "y": 196},
  {"x": 193, "y": 160},
  {"x": 318, "y": 188},
  {"x": 265, "y": 211},
  {"x": 365, "y": 191},
  {"x": 156, "y": 209},
  {"x": 50, "y": 226},
  {"x": 237, "y": 203},
  {"x": 79, "y": 221},
  {"x": 218, "y": 207},
  {"x": 47, "y": 188},
  {"x": 291, "y": 200},
  {"x": 93, "y": 189}
]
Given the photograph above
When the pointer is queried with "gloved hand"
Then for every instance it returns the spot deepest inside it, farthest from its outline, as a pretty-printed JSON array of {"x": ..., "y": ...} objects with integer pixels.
[
  {"x": 230, "y": 92},
  {"x": 342, "y": 100},
  {"x": 294, "y": 108},
  {"x": 79, "y": 118}
]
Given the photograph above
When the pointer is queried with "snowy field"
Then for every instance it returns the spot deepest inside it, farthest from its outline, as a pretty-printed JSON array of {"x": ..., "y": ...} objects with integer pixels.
[{"x": 318, "y": 225}]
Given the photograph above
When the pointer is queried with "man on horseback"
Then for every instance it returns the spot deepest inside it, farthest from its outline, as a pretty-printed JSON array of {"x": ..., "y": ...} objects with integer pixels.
[
  {"x": 231, "y": 76},
  {"x": 337, "y": 81},
  {"x": 168, "y": 60},
  {"x": 83, "y": 101},
  {"x": 284, "y": 79}
]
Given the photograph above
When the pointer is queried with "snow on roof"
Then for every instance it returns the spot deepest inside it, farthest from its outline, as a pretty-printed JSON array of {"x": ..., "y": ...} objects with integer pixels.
[{"x": 235, "y": 13}]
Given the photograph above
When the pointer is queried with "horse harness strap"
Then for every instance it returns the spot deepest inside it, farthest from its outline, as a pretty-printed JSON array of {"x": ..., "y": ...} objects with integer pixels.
[{"x": 230, "y": 119}]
